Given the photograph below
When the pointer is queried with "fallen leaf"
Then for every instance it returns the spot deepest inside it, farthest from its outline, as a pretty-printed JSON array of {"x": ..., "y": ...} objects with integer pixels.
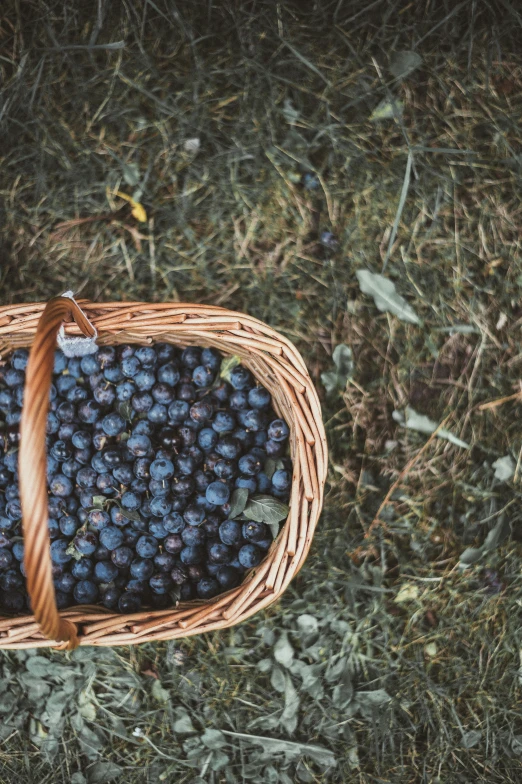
[
  {"x": 411, "y": 420},
  {"x": 385, "y": 296},
  {"x": 137, "y": 209}
]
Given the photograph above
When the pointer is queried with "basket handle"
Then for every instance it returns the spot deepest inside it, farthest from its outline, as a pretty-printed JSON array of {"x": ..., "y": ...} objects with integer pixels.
[{"x": 32, "y": 468}]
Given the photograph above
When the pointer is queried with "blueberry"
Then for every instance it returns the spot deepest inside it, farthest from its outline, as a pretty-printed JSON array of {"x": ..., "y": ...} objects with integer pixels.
[
  {"x": 191, "y": 357},
  {"x": 157, "y": 529},
  {"x": 65, "y": 433},
  {"x": 254, "y": 419},
  {"x": 239, "y": 400},
  {"x": 11, "y": 580},
  {"x": 157, "y": 414},
  {"x": 164, "y": 562},
  {"x": 217, "y": 493},
  {"x": 18, "y": 551},
  {"x": 131, "y": 501},
  {"x": 187, "y": 592},
  {"x": 165, "y": 352},
  {"x": 13, "y": 602},
  {"x": 105, "y": 572},
  {"x": 263, "y": 483},
  {"x": 123, "y": 474},
  {"x": 250, "y": 464},
  {"x": 20, "y": 358},
  {"x": 230, "y": 532},
  {"x": 125, "y": 390},
  {"x": 13, "y": 377},
  {"x": 113, "y": 424},
  {"x": 85, "y": 592},
  {"x": 14, "y": 510},
  {"x": 61, "y": 451},
  {"x": 241, "y": 378},
  {"x": 86, "y": 543},
  {"x": 147, "y": 356},
  {"x": 52, "y": 527},
  {"x": 211, "y": 358},
  {"x": 228, "y": 577},
  {"x": 220, "y": 553},
  {"x": 207, "y": 588},
  {"x": 139, "y": 445},
  {"x": 259, "y": 397},
  {"x": 105, "y": 395},
  {"x": 207, "y": 438},
  {"x": 178, "y": 411},
  {"x": 173, "y": 543},
  {"x": 228, "y": 447},
  {"x": 65, "y": 582},
  {"x": 6, "y": 559},
  {"x": 168, "y": 374},
  {"x": 142, "y": 568},
  {"x": 255, "y": 532},
  {"x": 82, "y": 569},
  {"x": 122, "y": 557},
  {"x": 89, "y": 364},
  {"x": 221, "y": 393},
  {"x": 130, "y": 366},
  {"x": 202, "y": 376},
  {"x": 106, "y": 356},
  {"x": 86, "y": 477},
  {"x": 201, "y": 411},
  {"x": 144, "y": 380},
  {"x": 61, "y": 486},
  {"x": 211, "y": 525},
  {"x": 161, "y": 469},
  {"x": 187, "y": 392},
  {"x": 129, "y": 603},
  {"x": 147, "y": 546},
  {"x": 174, "y": 523},
  {"x": 59, "y": 554},
  {"x": 88, "y": 412},
  {"x": 68, "y": 525},
  {"x": 225, "y": 469},
  {"x": 192, "y": 555},
  {"x": 278, "y": 430},
  {"x": 274, "y": 448},
  {"x": 281, "y": 480},
  {"x": 110, "y": 597},
  {"x": 193, "y": 535},
  {"x": 248, "y": 482},
  {"x": 224, "y": 422},
  {"x": 142, "y": 402},
  {"x": 249, "y": 556},
  {"x": 160, "y": 583},
  {"x": 111, "y": 537}
]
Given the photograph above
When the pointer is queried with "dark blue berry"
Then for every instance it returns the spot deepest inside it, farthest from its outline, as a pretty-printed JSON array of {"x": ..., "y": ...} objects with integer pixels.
[
  {"x": 147, "y": 546},
  {"x": 217, "y": 493},
  {"x": 278, "y": 430},
  {"x": 207, "y": 588},
  {"x": 230, "y": 532},
  {"x": 105, "y": 572},
  {"x": 249, "y": 556}
]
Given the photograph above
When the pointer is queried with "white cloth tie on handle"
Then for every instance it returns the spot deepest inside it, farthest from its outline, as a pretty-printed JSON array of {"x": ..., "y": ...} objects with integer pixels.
[{"x": 76, "y": 346}]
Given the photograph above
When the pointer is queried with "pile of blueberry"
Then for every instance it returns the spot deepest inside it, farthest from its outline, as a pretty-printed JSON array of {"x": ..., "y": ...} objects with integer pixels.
[{"x": 147, "y": 446}]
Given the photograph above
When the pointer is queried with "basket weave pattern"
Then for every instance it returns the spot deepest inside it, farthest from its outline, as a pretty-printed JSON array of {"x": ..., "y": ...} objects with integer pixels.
[{"x": 273, "y": 360}]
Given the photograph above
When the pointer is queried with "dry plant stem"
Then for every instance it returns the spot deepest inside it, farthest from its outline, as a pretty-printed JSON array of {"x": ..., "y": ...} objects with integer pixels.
[{"x": 277, "y": 364}]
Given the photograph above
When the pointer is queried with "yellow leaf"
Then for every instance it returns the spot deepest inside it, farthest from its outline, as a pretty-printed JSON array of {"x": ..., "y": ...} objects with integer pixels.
[
  {"x": 138, "y": 210},
  {"x": 407, "y": 593}
]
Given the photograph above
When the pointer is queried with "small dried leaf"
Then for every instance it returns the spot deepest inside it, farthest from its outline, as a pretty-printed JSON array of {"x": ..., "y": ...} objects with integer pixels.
[
  {"x": 227, "y": 365},
  {"x": 387, "y": 109},
  {"x": 137, "y": 209},
  {"x": 411, "y": 420},
  {"x": 385, "y": 296},
  {"x": 404, "y": 63},
  {"x": 504, "y": 468}
]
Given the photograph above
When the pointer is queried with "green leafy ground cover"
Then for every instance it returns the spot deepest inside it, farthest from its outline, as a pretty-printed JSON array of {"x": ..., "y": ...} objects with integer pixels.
[{"x": 394, "y": 657}]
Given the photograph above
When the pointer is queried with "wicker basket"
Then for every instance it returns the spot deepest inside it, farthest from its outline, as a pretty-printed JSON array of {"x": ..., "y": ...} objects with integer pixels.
[{"x": 271, "y": 358}]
